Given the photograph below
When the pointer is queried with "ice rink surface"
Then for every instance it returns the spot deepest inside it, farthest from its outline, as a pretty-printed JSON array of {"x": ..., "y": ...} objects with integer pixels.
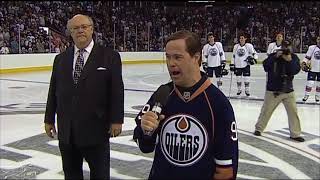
[{"x": 27, "y": 153}]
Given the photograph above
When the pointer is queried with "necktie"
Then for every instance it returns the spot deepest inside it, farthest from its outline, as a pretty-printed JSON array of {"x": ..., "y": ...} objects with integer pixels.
[{"x": 78, "y": 66}]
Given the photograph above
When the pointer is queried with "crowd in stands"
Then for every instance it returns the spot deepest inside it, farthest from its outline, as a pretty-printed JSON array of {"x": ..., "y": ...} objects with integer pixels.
[{"x": 144, "y": 25}]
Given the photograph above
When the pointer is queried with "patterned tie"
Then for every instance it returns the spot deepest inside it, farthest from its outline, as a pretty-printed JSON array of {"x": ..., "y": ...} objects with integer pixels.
[{"x": 79, "y": 66}]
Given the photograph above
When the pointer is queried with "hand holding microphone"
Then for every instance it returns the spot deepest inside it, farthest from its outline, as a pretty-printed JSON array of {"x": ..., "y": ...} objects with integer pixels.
[{"x": 150, "y": 120}]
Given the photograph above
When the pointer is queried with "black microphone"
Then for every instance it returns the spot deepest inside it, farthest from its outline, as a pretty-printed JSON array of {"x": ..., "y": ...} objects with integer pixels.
[{"x": 160, "y": 98}]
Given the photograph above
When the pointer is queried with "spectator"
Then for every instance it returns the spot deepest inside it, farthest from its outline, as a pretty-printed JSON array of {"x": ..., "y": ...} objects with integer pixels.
[{"x": 4, "y": 49}]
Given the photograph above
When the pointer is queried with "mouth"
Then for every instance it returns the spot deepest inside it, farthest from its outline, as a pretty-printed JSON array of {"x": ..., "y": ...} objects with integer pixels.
[{"x": 175, "y": 73}]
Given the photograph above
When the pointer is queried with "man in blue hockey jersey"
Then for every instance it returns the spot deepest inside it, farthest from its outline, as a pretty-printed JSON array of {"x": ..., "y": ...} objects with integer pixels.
[{"x": 195, "y": 135}]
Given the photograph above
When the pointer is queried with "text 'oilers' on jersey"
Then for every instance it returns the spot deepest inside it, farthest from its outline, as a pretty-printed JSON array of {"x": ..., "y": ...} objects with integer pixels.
[{"x": 198, "y": 134}]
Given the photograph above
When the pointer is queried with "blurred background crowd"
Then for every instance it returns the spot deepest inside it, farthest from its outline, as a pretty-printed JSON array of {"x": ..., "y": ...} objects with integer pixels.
[{"x": 40, "y": 26}]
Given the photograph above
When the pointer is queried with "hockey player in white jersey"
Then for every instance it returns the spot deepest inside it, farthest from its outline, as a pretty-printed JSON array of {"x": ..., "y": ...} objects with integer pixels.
[
  {"x": 274, "y": 46},
  {"x": 213, "y": 59},
  {"x": 311, "y": 64},
  {"x": 244, "y": 55}
]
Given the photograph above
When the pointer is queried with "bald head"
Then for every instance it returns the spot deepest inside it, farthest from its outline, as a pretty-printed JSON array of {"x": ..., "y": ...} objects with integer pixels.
[
  {"x": 81, "y": 29},
  {"x": 77, "y": 17}
]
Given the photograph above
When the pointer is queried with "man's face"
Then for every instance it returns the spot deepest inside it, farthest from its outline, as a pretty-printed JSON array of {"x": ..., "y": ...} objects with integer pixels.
[
  {"x": 81, "y": 31},
  {"x": 318, "y": 40},
  {"x": 242, "y": 40},
  {"x": 181, "y": 66},
  {"x": 279, "y": 37},
  {"x": 211, "y": 39}
]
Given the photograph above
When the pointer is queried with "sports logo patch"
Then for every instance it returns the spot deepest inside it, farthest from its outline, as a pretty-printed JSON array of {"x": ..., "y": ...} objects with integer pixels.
[
  {"x": 317, "y": 55},
  {"x": 241, "y": 52},
  {"x": 213, "y": 52},
  {"x": 183, "y": 140}
]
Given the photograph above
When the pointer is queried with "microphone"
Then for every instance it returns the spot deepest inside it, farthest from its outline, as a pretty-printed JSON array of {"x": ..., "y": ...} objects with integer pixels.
[{"x": 160, "y": 98}]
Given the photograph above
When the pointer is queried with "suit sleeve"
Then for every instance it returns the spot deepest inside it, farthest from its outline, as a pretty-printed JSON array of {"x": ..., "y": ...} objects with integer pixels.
[
  {"x": 51, "y": 99},
  {"x": 226, "y": 136},
  {"x": 117, "y": 90}
]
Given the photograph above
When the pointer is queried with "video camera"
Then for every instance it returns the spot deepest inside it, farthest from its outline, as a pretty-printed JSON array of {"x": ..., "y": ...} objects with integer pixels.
[{"x": 286, "y": 48}]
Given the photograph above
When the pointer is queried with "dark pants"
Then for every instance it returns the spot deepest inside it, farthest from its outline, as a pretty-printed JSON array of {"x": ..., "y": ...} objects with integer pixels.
[{"x": 98, "y": 158}]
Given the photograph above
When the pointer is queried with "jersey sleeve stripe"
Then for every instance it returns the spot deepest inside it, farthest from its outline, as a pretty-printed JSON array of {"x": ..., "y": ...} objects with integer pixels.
[{"x": 223, "y": 162}]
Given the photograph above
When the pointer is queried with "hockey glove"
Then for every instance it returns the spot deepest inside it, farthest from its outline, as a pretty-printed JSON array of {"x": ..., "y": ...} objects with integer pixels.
[
  {"x": 250, "y": 60},
  {"x": 205, "y": 66},
  {"x": 223, "y": 64},
  {"x": 305, "y": 67},
  {"x": 224, "y": 72},
  {"x": 232, "y": 67}
]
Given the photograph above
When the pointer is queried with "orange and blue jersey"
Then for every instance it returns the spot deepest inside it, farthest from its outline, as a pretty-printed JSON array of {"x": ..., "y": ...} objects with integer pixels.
[{"x": 198, "y": 134}]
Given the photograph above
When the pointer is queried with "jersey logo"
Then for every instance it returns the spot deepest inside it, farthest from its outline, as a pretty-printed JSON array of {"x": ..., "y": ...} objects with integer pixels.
[
  {"x": 183, "y": 140},
  {"x": 317, "y": 55},
  {"x": 241, "y": 52},
  {"x": 186, "y": 95},
  {"x": 213, "y": 52}
]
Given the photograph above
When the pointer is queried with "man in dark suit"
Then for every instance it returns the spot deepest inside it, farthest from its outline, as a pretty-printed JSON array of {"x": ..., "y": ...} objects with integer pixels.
[{"x": 86, "y": 93}]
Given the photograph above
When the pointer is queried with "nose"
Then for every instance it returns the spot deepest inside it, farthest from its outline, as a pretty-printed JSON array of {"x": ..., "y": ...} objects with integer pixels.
[{"x": 171, "y": 62}]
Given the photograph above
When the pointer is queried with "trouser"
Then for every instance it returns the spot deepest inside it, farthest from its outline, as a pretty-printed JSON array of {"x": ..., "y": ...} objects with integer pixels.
[
  {"x": 97, "y": 156},
  {"x": 271, "y": 102}
]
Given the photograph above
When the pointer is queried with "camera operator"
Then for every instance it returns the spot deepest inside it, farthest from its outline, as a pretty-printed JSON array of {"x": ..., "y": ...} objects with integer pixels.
[{"x": 281, "y": 67}]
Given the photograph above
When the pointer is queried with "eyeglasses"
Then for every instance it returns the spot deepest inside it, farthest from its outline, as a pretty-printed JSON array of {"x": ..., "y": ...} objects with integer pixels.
[{"x": 83, "y": 26}]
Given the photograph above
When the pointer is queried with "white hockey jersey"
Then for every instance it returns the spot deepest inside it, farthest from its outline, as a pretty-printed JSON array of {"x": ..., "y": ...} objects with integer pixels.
[
  {"x": 273, "y": 47},
  {"x": 313, "y": 56},
  {"x": 213, "y": 54},
  {"x": 240, "y": 54}
]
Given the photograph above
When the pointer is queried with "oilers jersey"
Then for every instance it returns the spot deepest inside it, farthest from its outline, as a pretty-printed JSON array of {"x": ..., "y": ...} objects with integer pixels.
[
  {"x": 198, "y": 134},
  {"x": 240, "y": 54},
  {"x": 213, "y": 54}
]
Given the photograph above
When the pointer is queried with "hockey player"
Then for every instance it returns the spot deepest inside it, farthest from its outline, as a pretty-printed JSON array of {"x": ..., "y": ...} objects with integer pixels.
[
  {"x": 311, "y": 64},
  {"x": 275, "y": 45},
  {"x": 214, "y": 59},
  {"x": 244, "y": 55},
  {"x": 195, "y": 134}
]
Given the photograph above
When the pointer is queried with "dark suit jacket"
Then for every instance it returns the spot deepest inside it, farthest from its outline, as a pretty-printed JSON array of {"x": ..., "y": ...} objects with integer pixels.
[{"x": 93, "y": 104}]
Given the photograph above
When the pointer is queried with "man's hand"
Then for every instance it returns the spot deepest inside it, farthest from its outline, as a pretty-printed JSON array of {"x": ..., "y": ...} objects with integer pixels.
[
  {"x": 50, "y": 130},
  {"x": 287, "y": 57},
  {"x": 115, "y": 130},
  {"x": 150, "y": 121},
  {"x": 279, "y": 53},
  {"x": 223, "y": 173}
]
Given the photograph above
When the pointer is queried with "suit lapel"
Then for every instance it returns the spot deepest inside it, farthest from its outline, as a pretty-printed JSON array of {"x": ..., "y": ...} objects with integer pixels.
[
  {"x": 91, "y": 63},
  {"x": 68, "y": 64}
]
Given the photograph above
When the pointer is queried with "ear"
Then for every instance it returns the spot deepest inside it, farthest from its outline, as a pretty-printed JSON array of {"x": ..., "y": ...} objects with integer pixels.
[{"x": 197, "y": 57}]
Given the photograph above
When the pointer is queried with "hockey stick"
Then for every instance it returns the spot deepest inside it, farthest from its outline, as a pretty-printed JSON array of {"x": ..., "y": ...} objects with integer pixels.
[{"x": 230, "y": 84}]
